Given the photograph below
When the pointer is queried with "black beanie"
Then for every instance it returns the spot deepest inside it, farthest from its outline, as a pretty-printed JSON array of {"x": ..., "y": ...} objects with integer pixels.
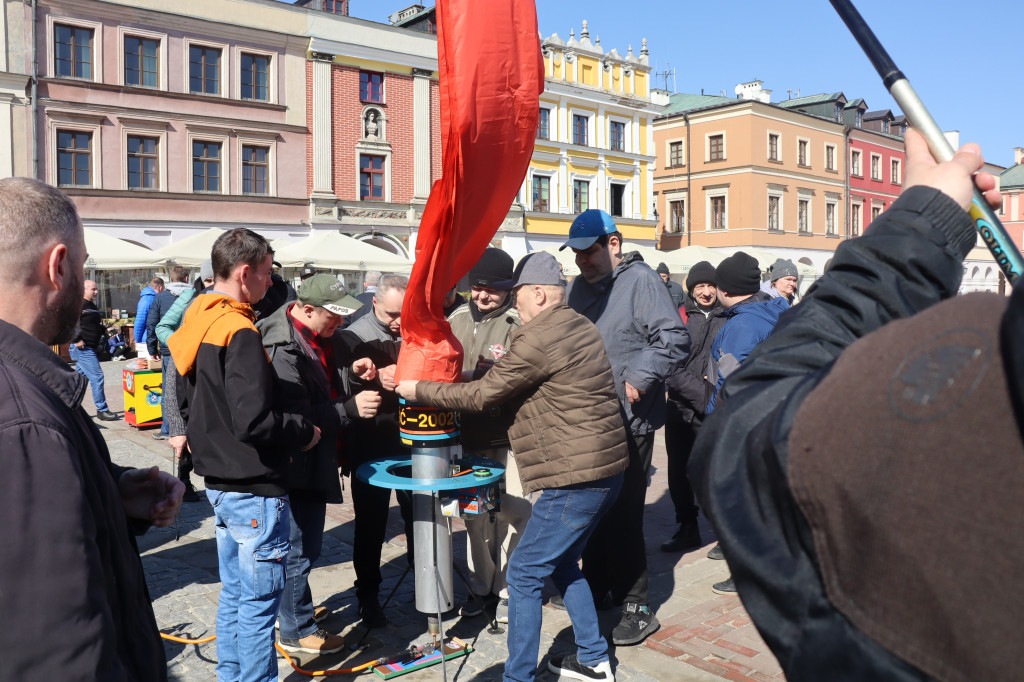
[
  {"x": 662, "y": 269},
  {"x": 493, "y": 267},
  {"x": 739, "y": 274},
  {"x": 701, "y": 273}
]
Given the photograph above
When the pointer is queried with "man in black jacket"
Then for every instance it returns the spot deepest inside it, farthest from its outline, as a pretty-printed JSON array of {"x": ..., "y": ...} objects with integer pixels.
[
  {"x": 299, "y": 340},
  {"x": 84, "y": 347},
  {"x": 868, "y": 455},
  {"x": 72, "y": 589},
  {"x": 378, "y": 336}
]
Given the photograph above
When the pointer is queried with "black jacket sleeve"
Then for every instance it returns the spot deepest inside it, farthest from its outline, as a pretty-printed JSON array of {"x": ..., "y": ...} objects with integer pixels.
[{"x": 909, "y": 259}]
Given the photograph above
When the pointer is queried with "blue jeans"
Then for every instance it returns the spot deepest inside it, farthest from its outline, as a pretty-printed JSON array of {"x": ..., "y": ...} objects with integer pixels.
[
  {"x": 308, "y": 513},
  {"x": 163, "y": 406},
  {"x": 88, "y": 365},
  {"x": 561, "y": 523},
  {"x": 252, "y": 546}
]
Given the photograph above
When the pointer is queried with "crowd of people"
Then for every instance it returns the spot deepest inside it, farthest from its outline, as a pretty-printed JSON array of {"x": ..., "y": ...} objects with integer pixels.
[{"x": 276, "y": 396}]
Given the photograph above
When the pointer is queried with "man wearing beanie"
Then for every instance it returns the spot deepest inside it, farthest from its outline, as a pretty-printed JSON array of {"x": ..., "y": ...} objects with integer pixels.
[
  {"x": 646, "y": 343},
  {"x": 674, "y": 290},
  {"x": 783, "y": 280},
  {"x": 688, "y": 394},
  {"x": 484, "y": 328},
  {"x": 750, "y": 317}
]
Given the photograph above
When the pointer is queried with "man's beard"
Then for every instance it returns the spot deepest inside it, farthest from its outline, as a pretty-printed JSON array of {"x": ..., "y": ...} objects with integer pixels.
[{"x": 66, "y": 317}]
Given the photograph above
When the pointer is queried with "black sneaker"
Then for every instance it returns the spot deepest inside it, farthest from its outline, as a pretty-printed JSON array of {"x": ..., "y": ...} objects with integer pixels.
[
  {"x": 372, "y": 614},
  {"x": 107, "y": 416},
  {"x": 476, "y": 604},
  {"x": 190, "y": 494},
  {"x": 568, "y": 666},
  {"x": 716, "y": 553},
  {"x": 686, "y": 538},
  {"x": 727, "y": 587},
  {"x": 637, "y": 624}
]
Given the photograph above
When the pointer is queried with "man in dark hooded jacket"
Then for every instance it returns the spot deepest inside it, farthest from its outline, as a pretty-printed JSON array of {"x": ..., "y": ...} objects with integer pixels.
[{"x": 869, "y": 455}]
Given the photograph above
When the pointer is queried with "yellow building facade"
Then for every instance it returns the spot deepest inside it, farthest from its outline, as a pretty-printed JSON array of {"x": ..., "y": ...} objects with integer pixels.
[{"x": 594, "y": 145}]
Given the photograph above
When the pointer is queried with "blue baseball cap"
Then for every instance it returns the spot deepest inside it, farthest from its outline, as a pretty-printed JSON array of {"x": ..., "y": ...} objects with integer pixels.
[{"x": 587, "y": 227}]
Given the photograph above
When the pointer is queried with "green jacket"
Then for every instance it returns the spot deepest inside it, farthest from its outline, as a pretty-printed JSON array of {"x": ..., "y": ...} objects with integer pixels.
[{"x": 171, "y": 320}]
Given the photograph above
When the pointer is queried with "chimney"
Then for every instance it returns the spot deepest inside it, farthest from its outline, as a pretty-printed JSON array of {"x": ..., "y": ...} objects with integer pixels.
[{"x": 1018, "y": 155}]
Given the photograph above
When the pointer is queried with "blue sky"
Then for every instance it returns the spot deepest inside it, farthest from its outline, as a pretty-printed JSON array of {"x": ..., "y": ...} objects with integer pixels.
[{"x": 965, "y": 65}]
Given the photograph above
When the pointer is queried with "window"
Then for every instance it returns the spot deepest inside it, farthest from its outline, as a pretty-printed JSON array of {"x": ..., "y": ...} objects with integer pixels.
[
  {"x": 773, "y": 214},
  {"x": 677, "y": 216},
  {"x": 371, "y": 178},
  {"x": 616, "y": 192},
  {"x": 204, "y": 70},
  {"x": 897, "y": 177},
  {"x": 875, "y": 212},
  {"x": 143, "y": 162},
  {"x": 73, "y": 51},
  {"x": 837, "y": 113},
  {"x": 255, "y": 170},
  {"x": 579, "y": 129},
  {"x": 876, "y": 167},
  {"x": 773, "y": 147},
  {"x": 855, "y": 163},
  {"x": 544, "y": 125},
  {"x": 255, "y": 77},
  {"x": 830, "y": 157},
  {"x": 801, "y": 152},
  {"x": 205, "y": 166},
  {"x": 74, "y": 158},
  {"x": 860, "y": 118},
  {"x": 716, "y": 147},
  {"x": 617, "y": 136},
  {"x": 855, "y": 219},
  {"x": 830, "y": 218},
  {"x": 803, "y": 215},
  {"x": 140, "y": 61},
  {"x": 580, "y": 196},
  {"x": 675, "y": 154},
  {"x": 541, "y": 192},
  {"x": 718, "y": 213},
  {"x": 885, "y": 126},
  {"x": 371, "y": 86}
]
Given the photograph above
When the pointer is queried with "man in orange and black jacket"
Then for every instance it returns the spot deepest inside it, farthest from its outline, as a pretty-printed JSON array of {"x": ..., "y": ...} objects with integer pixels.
[{"x": 238, "y": 444}]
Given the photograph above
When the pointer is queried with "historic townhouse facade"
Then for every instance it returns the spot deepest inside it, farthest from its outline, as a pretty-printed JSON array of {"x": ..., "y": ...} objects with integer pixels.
[
  {"x": 374, "y": 149},
  {"x": 15, "y": 89},
  {"x": 160, "y": 125},
  {"x": 595, "y": 144},
  {"x": 743, "y": 172}
]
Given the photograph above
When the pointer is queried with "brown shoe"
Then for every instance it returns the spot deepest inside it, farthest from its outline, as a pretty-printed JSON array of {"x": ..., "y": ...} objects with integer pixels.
[
  {"x": 320, "y": 642},
  {"x": 320, "y": 613}
]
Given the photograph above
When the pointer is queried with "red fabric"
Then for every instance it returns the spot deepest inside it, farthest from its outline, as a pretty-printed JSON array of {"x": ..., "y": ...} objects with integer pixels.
[{"x": 491, "y": 78}]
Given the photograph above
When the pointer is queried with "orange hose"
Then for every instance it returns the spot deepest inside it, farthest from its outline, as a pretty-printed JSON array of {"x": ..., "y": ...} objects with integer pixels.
[{"x": 308, "y": 673}]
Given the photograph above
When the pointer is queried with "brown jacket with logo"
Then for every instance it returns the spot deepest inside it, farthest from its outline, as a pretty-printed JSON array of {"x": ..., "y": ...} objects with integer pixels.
[{"x": 557, "y": 380}]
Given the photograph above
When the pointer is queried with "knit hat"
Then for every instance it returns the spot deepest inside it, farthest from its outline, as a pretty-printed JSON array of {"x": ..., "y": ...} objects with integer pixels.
[
  {"x": 701, "y": 273},
  {"x": 206, "y": 269},
  {"x": 493, "y": 268},
  {"x": 739, "y": 274},
  {"x": 783, "y": 268},
  {"x": 662, "y": 269}
]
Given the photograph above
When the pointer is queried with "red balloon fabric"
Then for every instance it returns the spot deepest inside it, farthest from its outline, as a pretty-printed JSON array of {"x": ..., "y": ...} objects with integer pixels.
[{"x": 491, "y": 77}]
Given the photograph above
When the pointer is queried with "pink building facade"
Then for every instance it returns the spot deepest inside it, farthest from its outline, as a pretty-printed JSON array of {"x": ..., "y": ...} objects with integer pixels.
[{"x": 875, "y": 165}]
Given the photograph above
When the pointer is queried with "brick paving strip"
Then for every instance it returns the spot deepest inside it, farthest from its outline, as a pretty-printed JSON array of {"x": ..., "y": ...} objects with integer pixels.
[{"x": 703, "y": 636}]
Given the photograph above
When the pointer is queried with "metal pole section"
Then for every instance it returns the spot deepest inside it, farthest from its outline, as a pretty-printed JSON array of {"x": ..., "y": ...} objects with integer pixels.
[
  {"x": 998, "y": 241},
  {"x": 430, "y": 534}
]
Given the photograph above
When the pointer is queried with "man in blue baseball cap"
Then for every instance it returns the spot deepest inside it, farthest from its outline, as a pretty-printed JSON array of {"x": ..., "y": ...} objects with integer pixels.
[{"x": 646, "y": 343}]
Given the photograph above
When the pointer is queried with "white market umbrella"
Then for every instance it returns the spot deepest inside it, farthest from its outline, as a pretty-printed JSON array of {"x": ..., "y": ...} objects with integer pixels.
[
  {"x": 765, "y": 259},
  {"x": 335, "y": 251},
  {"x": 111, "y": 253},
  {"x": 192, "y": 251}
]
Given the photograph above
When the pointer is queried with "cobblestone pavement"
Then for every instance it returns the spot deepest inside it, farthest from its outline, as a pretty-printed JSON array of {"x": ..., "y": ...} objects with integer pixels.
[{"x": 703, "y": 636}]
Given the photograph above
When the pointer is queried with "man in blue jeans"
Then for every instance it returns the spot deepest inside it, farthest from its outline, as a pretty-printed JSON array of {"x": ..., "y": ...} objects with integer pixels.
[
  {"x": 241, "y": 444},
  {"x": 569, "y": 442},
  {"x": 83, "y": 351}
]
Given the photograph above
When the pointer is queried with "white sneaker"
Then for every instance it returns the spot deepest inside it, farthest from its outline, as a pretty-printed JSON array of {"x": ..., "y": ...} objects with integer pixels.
[{"x": 568, "y": 666}]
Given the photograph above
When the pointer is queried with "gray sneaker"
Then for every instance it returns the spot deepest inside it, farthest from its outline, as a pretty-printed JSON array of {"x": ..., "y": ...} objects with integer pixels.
[{"x": 637, "y": 624}]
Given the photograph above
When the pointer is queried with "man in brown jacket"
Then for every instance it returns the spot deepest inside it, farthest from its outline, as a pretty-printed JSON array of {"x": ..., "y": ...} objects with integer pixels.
[{"x": 569, "y": 443}]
